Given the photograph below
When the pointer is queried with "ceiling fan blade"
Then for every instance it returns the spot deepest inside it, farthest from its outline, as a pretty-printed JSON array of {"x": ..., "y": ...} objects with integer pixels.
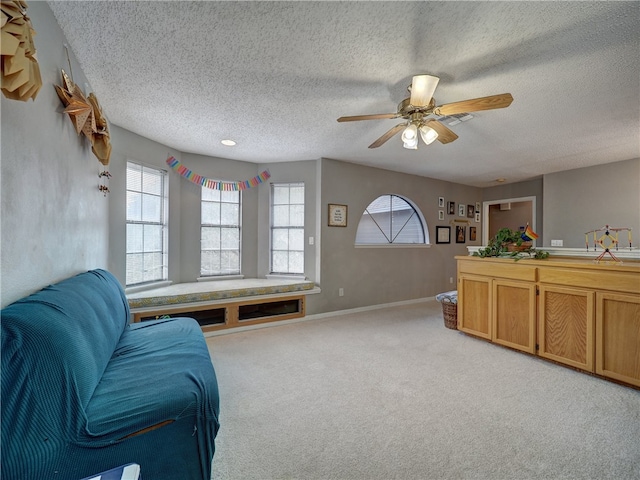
[
  {"x": 445, "y": 135},
  {"x": 474, "y": 105},
  {"x": 422, "y": 88},
  {"x": 390, "y": 133},
  {"x": 377, "y": 116}
]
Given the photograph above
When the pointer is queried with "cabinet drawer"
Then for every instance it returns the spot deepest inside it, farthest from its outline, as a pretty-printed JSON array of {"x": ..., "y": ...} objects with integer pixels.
[
  {"x": 509, "y": 269},
  {"x": 597, "y": 279}
]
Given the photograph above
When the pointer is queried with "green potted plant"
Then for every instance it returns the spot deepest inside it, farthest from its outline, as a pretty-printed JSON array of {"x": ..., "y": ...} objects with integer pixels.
[{"x": 507, "y": 242}]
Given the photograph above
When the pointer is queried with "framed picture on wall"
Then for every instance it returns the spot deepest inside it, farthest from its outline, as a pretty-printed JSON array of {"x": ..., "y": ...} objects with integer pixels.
[
  {"x": 462, "y": 210},
  {"x": 337, "y": 215},
  {"x": 478, "y": 217},
  {"x": 477, "y": 207},
  {"x": 472, "y": 234},
  {"x": 460, "y": 233},
  {"x": 443, "y": 234},
  {"x": 470, "y": 211},
  {"x": 440, "y": 214},
  {"x": 441, "y": 202}
]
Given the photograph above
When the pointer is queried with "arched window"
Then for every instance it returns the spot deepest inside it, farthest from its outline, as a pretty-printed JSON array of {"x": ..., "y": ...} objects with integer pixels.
[{"x": 391, "y": 219}]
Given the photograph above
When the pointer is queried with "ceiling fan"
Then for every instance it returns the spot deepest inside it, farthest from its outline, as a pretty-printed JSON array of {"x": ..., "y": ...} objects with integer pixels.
[{"x": 416, "y": 109}]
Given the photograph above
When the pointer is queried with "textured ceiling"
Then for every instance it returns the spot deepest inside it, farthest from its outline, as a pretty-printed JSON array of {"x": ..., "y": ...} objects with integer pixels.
[{"x": 275, "y": 76}]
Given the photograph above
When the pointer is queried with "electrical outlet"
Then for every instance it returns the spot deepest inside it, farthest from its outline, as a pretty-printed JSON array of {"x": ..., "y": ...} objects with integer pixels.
[
  {"x": 450, "y": 279},
  {"x": 311, "y": 240},
  {"x": 556, "y": 243},
  {"x": 341, "y": 292}
]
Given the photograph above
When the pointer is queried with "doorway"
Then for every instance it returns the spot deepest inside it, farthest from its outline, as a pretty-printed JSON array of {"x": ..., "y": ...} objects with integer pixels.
[{"x": 513, "y": 213}]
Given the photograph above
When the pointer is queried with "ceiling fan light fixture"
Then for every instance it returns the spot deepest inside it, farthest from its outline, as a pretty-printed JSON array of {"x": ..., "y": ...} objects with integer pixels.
[
  {"x": 410, "y": 134},
  {"x": 422, "y": 89},
  {"x": 411, "y": 144},
  {"x": 428, "y": 134}
]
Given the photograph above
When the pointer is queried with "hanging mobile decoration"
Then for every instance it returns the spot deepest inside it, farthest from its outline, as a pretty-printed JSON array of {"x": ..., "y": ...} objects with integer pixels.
[
  {"x": 104, "y": 176},
  {"x": 607, "y": 241},
  {"x": 216, "y": 184},
  {"x": 21, "y": 78},
  {"x": 87, "y": 117}
]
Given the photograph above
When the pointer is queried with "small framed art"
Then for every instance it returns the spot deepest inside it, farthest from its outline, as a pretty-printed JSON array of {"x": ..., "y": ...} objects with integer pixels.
[
  {"x": 451, "y": 208},
  {"x": 472, "y": 234},
  {"x": 440, "y": 214},
  {"x": 462, "y": 210},
  {"x": 443, "y": 234},
  {"x": 441, "y": 202},
  {"x": 470, "y": 211},
  {"x": 337, "y": 215},
  {"x": 461, "y": 232}
]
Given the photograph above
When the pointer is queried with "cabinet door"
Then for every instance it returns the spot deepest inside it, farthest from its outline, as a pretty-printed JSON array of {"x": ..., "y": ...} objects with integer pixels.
[
  {"x": 474, "y": 305},
  {"x": 618, "y": 336},
  {"x": 566, "y": 326},
  {"x": 514, "y": 314}
]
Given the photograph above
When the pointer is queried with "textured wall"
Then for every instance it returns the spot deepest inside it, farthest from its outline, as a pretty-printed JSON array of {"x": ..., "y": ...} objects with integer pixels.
[
  {"x": 54, "y": 219},
  {"x": 587, "y": 198},
  {"x": 373, "y": 276}
]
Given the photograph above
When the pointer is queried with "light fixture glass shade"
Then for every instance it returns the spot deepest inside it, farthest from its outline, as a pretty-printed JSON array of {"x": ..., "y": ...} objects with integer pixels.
[
  {"x": 422, "y": 89},
  {"x": 428, "y": 134},
  {"x": 411, "y": 144},
  {"x": 410, "y": 133}
]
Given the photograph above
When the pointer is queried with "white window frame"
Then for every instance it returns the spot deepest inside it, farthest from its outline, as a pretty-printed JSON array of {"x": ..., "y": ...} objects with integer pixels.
[
  {"x": 225, "y": 199},
  {"x": 133, "y": 247},
  {"x": 296, "y": 229},
  {"x": 392, "y": 243}
]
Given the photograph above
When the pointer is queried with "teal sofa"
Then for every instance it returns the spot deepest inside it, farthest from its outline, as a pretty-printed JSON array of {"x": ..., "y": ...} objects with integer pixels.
[{"x": 84, "y": 391}]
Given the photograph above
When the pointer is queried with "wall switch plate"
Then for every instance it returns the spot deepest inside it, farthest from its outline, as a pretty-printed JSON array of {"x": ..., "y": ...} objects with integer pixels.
[
  {"x": 556, "y": 243},
  {"x": 341, "y": 292},
  {"x": 311, "y": 240}
]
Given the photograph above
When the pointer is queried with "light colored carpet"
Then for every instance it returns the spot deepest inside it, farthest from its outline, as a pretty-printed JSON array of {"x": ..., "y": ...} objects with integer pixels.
[{"x": 393, "y": 394}]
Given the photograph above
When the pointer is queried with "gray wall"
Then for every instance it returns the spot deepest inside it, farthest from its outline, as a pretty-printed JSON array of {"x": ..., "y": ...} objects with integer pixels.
[
  {"x": 583, "y": 199},
  {"x": 372, "y": 276},
  {"x": 54, "y": 219}
]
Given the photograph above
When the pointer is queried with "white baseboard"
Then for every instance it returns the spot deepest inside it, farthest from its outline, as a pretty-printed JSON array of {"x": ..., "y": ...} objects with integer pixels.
[{"x": 317, "y": 316}]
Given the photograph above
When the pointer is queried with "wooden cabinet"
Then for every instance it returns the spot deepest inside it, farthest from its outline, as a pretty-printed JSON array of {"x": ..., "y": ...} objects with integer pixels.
[
  {"x": 514, "y": 314},
  {"x": 571, "y": 311},
  {"x": 474, "y": 305},
  {"x": 618, "y": 336},
  {"x": 566, "y": 326}
]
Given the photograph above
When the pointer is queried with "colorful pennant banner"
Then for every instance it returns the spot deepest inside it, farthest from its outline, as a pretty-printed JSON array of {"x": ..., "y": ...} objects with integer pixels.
[{"x": 216, "y": 184}]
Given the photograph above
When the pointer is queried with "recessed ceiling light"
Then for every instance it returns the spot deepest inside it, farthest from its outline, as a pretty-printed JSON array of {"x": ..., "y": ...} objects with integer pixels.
[{"x": 228, "y": 143}]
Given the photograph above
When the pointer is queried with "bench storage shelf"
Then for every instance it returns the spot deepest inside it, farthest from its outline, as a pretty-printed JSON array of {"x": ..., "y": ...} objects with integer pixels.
[{"x": 224, "y": 304}]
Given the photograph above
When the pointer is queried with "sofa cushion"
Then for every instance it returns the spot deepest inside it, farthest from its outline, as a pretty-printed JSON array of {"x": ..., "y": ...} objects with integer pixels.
[{"x": 160, "y": 371}]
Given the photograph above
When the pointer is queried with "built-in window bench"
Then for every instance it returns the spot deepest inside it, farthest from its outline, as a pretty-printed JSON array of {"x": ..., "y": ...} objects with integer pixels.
[{"x": 224, "y": 304}]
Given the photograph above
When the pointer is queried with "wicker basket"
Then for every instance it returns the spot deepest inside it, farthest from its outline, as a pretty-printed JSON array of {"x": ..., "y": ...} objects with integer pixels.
[{"x": 450, "y": 313}]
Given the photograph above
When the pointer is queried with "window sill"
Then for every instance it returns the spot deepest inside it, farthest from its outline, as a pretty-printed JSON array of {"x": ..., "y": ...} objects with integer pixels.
[
  {"x": 393, "y": 245},
  {"x": 283, "y": 275},
  {"x": 147, "y": 286},
  {"x": 218, "y": 278}
]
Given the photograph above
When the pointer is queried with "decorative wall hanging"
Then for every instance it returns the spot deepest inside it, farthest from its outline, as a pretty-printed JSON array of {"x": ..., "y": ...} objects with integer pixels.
[
  {"x": 21, "y": 78},
  {"x": 178, "y": 167},
  {"x": 87, "y": 117}
]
